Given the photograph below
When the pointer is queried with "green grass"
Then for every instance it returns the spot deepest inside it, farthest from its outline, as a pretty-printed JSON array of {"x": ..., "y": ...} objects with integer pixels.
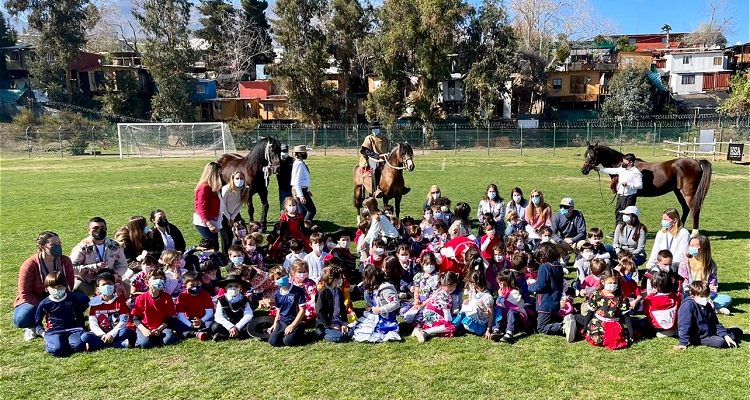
[{"x": 62, "y": 194}]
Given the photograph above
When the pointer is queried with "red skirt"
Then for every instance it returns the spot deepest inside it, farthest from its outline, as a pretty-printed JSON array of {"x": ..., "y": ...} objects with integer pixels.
[{"x": 614, "y": 336}]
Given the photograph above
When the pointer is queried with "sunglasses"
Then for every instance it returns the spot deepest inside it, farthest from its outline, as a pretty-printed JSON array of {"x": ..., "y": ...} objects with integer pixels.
[{"x": 566, "y": 207}]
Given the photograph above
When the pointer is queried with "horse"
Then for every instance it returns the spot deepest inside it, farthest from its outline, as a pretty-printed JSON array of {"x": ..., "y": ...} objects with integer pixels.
[
  {"x": 688, "y": 179},
  {"x": 262, "y": 161},
  {"x": 400, "y": 158}
]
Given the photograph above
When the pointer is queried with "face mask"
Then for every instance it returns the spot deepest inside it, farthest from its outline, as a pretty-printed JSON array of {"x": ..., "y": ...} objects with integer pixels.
[
  {"x": 428, "y": 269},
  {"x": 283, "y": 281},
  {"x": 693, "y": 251},
  {"x": 157, "y": 284},
  {"x": 610, "y": 287},
  {"x": 626, "y": 218},
  {"x": 301, "y": 276},
  {"x": 702, "y": 301},
  {"x": 666, "y": 224},
  {"x": 317, "y": 248},
  {"x": 57, "y": 294},
  {"x": 624, "y": 165},
  {"x": 181, "y": 264},
  {"x": 536, "y": 200},
  {"x": 239, "y": 183},
  {"x": 232, "y": 293},
  {"x": 376, "y": 131},
  {"x": 403, "y": 259},
  {"x": 564, "y": 211},
  {"x": 291, "y": 209},
  {"x": 517, "y": 199},
  {"x": 238, "y": 260},
  {"x": 99, "y": 235},
  {"x": 587, "y": 255},
  {"x": 438, "y": 214},
  {"x": 428, "y": 217},
  {"x": 241, "y": 233},
  {"x": 545, "y": 239},
  {"x": 344, "y": 244},
  {"x": 56, "y": 250},
  {"x": 146, "y": 268},
  {"x": 491, "y": 195},
  {"x": 284, "y": 155},
  {"x": 595, "y": 242},
  {"x": 436, "y": 196},
  {"x": 303, "y": 156},
  {"x": 628, "y": 277},
  {"x": 499, "y": 258},
  {"x": 444, "y": 208},
  {"x": 107, "y": 290},
  {"x": 146, "y": 230},
  {"x": 194, "y": 290},
  {"x": 250, "y": 249},
  {"x": 379, "y": 251},
  {"x": 162, "y": 222}
]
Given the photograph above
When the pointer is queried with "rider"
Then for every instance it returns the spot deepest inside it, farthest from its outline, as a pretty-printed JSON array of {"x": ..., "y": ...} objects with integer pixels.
[{"x": 373, "y": 153}]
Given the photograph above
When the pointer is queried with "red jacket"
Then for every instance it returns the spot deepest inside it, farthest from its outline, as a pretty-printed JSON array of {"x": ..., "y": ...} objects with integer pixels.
[
  {"x": 207, "y": 204},
  {"x": 661, "y": 309},
  {"x": 31, "y": 279}
]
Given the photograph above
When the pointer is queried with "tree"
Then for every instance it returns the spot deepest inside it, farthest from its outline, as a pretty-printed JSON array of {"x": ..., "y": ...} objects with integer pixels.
[
  {"x": 489, "y": 55},
  {"x": 630, "y": 94},
  {"x": 168, "y": 56},
  {"x": 301, "y": 71},
  {"x": 254, "y": 12},
  {"x": 61, "y": 25},
  {"x": 738, "y": 103},
  {"x": 666, "y": 28},
  {"x": 623, "y": 44},
  {"x": 712, "y": 32},
  {"x": 8, "y": 35},
  {"x": 123, "y": 97},
  {"x": 242, "y": 45},
  {"x": 346, "y": 26},
  {"x": 214, "y": 13}
]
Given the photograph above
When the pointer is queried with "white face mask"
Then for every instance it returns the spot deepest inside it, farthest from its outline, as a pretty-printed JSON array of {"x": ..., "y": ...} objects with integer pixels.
[
  {"x": 291, "y": 209},
  {"x": 517, "y": 199},
  {"x": 498, "y": 258},
  {"x": 317, "y": 248},
  {"x": 403, "y": 259},
  {"x": 702, "y": 301},
  {"x": 610, "y": 287},
  {"x": 428, "y": 269},
  {"x": 428, "y": 217},
  {"x": 444, "y": 208},
  {"x": 344, "y": 244},
  {"x": 436, "y": 196},
  {"x": 587, "y": 255},
  {"x": 379, "y": 251},
  {"x": 232, "y": 293},
  {"x": 545, "y": 239},
  {"x": 239, "y": 183}
]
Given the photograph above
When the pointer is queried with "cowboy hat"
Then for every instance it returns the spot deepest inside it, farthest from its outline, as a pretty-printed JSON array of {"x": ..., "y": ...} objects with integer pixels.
[
  {"x": 233, "y": 279},
  {"x": 341, "y": 232},
  {"x": 301, "y": 149}
]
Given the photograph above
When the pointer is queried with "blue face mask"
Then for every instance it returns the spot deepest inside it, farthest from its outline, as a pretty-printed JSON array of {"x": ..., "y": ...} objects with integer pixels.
[
  {"x": 376, "y": 131},
  {"x": 693, "y": 251},
  {"x": 283, "y": 281},
  {"x": 438, "y": 214},
  {"x": 107, "y": 290},
  {"x": 536, "y": 200},
  {"x": 238, "y": 260},
  {"x": 157, "y": 284},
  {"x": 491, "y": 195},
  {"x": 57, "y": 294},
  {"x": 194, "y": 290},
  {"x": 666, "y": 224},
  {"x": 564, "y": 211}
]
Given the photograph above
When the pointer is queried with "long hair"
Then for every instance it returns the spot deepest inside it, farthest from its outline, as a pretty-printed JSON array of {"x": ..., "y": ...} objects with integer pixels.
[
  {"x": 430, "y": 200},
  {"x": 497, "y": 198},
  {"x": 612, "y": 273},
  {"x": 541, "y": 208},
  {"x": 473, "y": 261},
  {"x": 244, "y": 192},
  {"x": 703, "y": 264},
  {"x": 673, "y": 214},
  {"x": 136, "y": 225},
  {"x": 210, "y": 177},
  {"x": 371, "y": 204},
  {"x": 372, "y": 277},
  {"x": 635, "y": 222},
  {"x": 520, "y": 192}
]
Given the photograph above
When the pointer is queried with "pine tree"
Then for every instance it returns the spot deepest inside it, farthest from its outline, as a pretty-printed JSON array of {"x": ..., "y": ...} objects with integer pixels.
[
  {"x": 168, "y": 56},
  {"x": 254, "y": 12},
  {"x": 8, "y": 35},
  {"x": 346, "y": 29},
  {"x": 215, "y": 15},
  {"x": 62, "y": 28}
]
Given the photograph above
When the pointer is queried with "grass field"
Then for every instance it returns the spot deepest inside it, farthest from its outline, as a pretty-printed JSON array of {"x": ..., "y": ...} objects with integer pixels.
[{"x": 62, "y": 194}]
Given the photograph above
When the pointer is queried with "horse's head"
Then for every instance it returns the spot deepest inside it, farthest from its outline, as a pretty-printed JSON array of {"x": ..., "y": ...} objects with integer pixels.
[
  {"x": 273, "y": 153},
  {"x": 406, "y": 155},
  {"x": 591, "y": 157}
]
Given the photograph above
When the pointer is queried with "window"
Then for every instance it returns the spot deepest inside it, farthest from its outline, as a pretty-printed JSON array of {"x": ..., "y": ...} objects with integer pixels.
[
  {"x": 15, "y": 56},
  {"x": 200, "y": 89},
  {"x": 99, "y": 80},
  {"x": 217, "y": 106},
  {"x": 269, "y": 107},
  {"x": 718, "y": 61},
  {"x": 631, "y": 41},
  {"x": 664, "y": 40},
  {"x": 556, "y": 84},
  {"x": 628, "y": 60},
  {"x": 451, "y": 90},
  {"x": 687, "y": 59},
  {"x": 688, "y": 79}
]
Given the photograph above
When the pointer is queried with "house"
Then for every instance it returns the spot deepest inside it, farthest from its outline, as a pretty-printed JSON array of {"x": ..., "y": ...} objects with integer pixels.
[
  {"x": 256, "y": 89},
  {"x": 275, "y": 107},
  {"x": 13, "y": 99},
  {"x": 580, "y": 83},
  {"x": 204, "y": 89},
  {"x": 451, "y": 95},
  {"x": 738, "y": 57},
  {"x": 697, "y": 71},
  {"x": 16, "y": 66},
  {"x": 655, "y": 41},
  {"x": 642, "y": 59},
  {"x": 226, "y": 109}
]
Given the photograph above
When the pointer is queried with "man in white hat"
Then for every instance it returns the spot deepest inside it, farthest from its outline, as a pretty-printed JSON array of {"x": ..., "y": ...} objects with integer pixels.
[
  {"x": 301, "y": 182},
  {"x": 568, "y": 226},
  {"x": 630, "y": 180}
]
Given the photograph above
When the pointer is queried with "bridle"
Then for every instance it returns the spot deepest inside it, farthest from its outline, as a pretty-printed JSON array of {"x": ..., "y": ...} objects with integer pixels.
[
  {"x": 268, "y": 169},
  {"x": 405, "y": 160}
]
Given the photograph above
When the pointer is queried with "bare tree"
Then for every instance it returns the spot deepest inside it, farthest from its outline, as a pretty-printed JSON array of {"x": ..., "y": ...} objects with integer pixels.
[
  {"x": 243, "y": 43},
  {"x": 720, "y": 23}
]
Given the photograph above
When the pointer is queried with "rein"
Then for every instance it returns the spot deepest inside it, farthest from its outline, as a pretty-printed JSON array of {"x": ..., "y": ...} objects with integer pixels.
[
  {"x": 267, "y": 169},
  {"x": 388, "y": 162},
  {"x": 600, "y": 189}
]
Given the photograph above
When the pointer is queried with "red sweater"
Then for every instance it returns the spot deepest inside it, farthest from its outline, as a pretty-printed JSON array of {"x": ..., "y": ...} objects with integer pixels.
[
  {"x": 31, "y": 279},
  {"x": 153, "y": 312},
  {"x": 661, "y": 309},
  {"x": 207, "y": 204}
]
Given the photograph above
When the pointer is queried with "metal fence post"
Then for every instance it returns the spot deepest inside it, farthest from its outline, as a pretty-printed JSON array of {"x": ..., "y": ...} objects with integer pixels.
[
  {"x": 653, "y": 150},
  {"x": 93, "y": 141},
  {"x": 521, "y": 140},
  {"x": 455, "y": 140},
  {"x": 488, "y": 138},
  {"x": 554, "y": 138},
  {"x": 325, "y": 140},
  {"x": 721, "y": 136},
  {"x": 59, "y": 137},
  {"x": 620, "y": 136},
  {"x": 28, "y": 141}
]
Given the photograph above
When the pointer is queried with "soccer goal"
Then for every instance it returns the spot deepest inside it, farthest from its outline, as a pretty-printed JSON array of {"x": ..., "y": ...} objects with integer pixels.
[{"x": 175, "y": 139}]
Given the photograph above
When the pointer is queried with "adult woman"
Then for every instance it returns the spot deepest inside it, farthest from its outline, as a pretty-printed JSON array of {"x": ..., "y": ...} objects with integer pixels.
[
  {"x": 380, "y": 225},
  {"x": 135, "y": 238},
  {"x": 517, "y": 203},
  {"x": 538, "y": 213},
  {"x": 49, "y": 257},
  {"x": 631, "y": 235},
  {"x": 206, "y": 217},
  {"x": 432, "y": 197},
  {"x": 699, "y": 265},
  {"x": 672, "y": 237},
  {"x": 493, "y": 204},
  {"x": 164, "y": 235},
  {"x": 233, "y": 195}
]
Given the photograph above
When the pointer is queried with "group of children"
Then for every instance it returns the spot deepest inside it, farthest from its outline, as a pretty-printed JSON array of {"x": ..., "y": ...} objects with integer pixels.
[{"x": 428, "y": 273}]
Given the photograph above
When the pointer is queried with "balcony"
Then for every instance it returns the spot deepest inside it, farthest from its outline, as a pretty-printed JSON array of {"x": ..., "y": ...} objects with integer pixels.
[{"x": 577, "y": 66}]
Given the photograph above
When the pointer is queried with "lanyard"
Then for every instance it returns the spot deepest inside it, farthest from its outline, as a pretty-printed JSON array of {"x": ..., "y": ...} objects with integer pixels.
[
  {"x": 669, "y": 242},
  {"x": 628, "y": 233}
]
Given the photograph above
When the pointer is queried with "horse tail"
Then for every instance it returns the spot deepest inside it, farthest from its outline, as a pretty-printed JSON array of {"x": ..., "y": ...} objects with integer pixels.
[{"x": 703, "y": 185}]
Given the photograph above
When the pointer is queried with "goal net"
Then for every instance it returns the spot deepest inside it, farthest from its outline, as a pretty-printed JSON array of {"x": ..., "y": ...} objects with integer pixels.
[{"x": 175, "y": 139}]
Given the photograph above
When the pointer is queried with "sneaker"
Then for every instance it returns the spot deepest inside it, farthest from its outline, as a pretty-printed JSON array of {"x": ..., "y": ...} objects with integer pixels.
[
  {"x": 495, "y": 335},
  {"x": 569, "y": 328},
  {"x": 565, "y": 271},
  {"x": 202, "y": 336},
  {"x": 725, "y": 311},
  {"x": 611, "y": 236},
  {"x": 420, "y": 335},
  {"x": 507, "y": 338},
  {"x": 29, "y": 335},
  {"x": 219, "y": 337}
]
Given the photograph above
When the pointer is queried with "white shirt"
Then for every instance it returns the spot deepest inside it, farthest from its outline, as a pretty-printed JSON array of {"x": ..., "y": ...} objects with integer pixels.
[
  {"x": 665, "y": 241},
  {"x": 315, "y": 265},
  {"x": 300, "y": 176},
  {"x": 632, "y": 177},
  {"x": 291, "y": 258},
  {"x": 380, "y": 227},
  {"x": 231, "y": 202}
]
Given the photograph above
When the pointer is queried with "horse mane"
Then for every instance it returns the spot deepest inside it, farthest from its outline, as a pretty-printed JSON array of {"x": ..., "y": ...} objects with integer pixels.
[{"x": 609, "y": 154}]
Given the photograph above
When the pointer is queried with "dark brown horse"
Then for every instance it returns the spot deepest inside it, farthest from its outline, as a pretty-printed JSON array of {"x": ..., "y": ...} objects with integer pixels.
[
  {"x": 688, "y": 179},
  {"x": 262, "y": 161},
  {"x": 399, "y": 159}
]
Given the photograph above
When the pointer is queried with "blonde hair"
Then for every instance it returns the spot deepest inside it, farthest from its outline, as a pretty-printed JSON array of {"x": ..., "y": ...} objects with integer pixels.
[
  {"x": 702, "y": 265},
  {"x": 299, "y": 266},
  {"x": 244, "y": 192},
  {"x": 509, "y": 217},
  {"x": 122, "y": 236},
  {"x": 542, "y": 205},
  {"x": 210, "y": 177},
  {"x": 673, "y": 214},
  {"x": 168, "y": 257},
  {"x": 430, "y": 200}
]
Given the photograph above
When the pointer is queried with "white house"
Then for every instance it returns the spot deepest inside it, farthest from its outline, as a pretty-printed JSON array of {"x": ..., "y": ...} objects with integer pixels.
[{"x": 697, "y": 71}]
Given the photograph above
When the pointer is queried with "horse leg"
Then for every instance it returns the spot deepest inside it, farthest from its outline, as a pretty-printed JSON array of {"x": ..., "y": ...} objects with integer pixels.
[
  {"x": 264, "y": 213},
  {"x": 685, "y": 208},
  {"x": 398, "y": 206},
  {"x": 696, "y": 213},
  {"x": 357, "y": 200},
  {"x": 250, "y": 209}
]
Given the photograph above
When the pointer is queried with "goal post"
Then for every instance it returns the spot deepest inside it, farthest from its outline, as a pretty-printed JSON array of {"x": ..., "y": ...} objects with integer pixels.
[{"x": 174, "y": 139}]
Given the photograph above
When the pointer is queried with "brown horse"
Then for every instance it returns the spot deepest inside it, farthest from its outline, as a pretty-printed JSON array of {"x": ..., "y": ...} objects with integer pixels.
[
  {"x": 399, "y": 159},
  {"x": 688, "y": 179},
  {"x": 262, "y": 161}
]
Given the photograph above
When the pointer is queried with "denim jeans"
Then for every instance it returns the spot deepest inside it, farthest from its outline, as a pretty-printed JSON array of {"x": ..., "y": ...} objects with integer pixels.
[
  {"x": 62, "y": 343},
  {"x": 25, "y": 313},
  {"x": 206, "y": 233},
  {"x": 545, "y": 324},
  {"x": 279, "y": 338},
  {"x": 120, "y": 341},
  {"x": 334, "y": 335}
]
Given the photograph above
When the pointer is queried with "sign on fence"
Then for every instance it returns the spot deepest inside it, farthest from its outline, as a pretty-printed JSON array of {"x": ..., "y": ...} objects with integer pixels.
[
  {"x": 734, "y": 153},
  {"x": 706, "y": 140}
]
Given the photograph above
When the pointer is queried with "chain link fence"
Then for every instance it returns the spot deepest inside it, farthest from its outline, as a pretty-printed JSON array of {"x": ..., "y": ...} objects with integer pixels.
[{"x": 61, "y": 141}]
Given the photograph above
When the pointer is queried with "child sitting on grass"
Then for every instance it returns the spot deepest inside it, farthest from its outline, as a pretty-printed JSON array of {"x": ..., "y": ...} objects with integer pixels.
[
  {"x": 510, "y": 309},
  {"x": 698, "y": 324},
  {"x": 233, "y": 311},
  {"x": 287, "y": 328},
  {"x": 660, "y": 307},
  {"x": 153, "y": 314},
  {"x": 301, "y": 280},
  {"x": 330, "y": 308},
  {"x": 194, "y": 306},
  {"x": 477, "y": 313},
  {"x": 63, "y": 329},
  {"x": 607, "y": 323},
  {"x": 549, "y": 290},
  {"x": 108, "y": 317},
  {"x": 435, "y": 319}
]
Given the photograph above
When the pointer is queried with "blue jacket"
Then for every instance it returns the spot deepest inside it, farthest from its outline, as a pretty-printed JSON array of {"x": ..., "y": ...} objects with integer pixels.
[
  {"x": 548, "y": 288},
  {"x": 695, "y": 323},
  {"x": 564, "y": 227}
]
